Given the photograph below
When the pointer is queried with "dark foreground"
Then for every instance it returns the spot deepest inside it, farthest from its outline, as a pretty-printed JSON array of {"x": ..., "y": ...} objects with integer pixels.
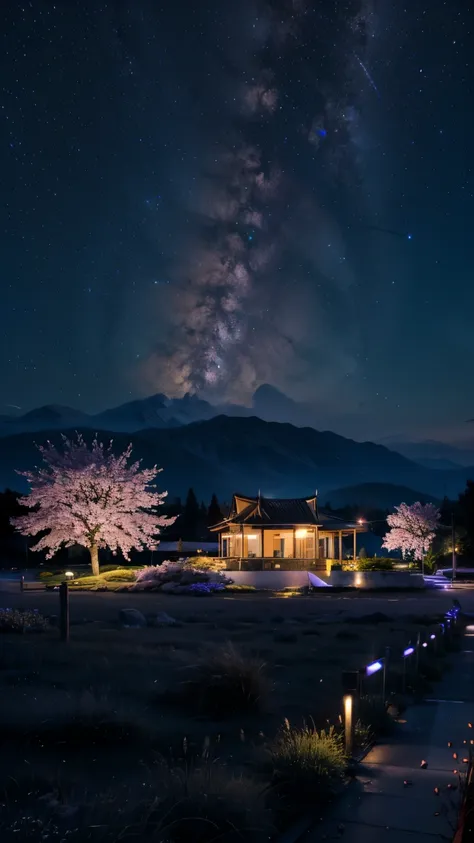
[
  {"x": 104, "y": 607},
  {"x": 97, "y": 724}
]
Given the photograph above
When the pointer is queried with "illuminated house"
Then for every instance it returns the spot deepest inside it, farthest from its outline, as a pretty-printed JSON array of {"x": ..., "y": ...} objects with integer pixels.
[{"x": 266, "y": 533}]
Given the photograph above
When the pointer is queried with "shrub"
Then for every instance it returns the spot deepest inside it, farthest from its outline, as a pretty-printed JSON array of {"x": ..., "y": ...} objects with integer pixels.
[
  {"x": 45, "y": 575},
  {"x": 206, "y": 563},
  {"x": 430, "y": 670},
  {"x": 119, "y": 575},
  {"x": 224, "y": 682},
  {"x": 376, "y": 564},
  {"x": 210, "y": 804},
  {"x": 307, "y": 764},
  {"x": 19, "y": 620},
  {"x": 242, "y": 589},
  {"x": 177, "y": 805},
  {"x": 181, "y": 578},
  {"x": 374, "y": 716}
]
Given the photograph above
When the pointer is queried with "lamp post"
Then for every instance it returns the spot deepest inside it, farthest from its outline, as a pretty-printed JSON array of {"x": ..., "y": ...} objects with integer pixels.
[{"x": 453, "y": 540}]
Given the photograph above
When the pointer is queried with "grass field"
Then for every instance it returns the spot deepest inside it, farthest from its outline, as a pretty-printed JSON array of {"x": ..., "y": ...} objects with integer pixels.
[{"x": 101, "y": 720}]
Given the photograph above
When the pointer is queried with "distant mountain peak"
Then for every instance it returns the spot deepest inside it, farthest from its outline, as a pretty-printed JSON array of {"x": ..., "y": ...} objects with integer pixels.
[{"x": 51, "y": 411}]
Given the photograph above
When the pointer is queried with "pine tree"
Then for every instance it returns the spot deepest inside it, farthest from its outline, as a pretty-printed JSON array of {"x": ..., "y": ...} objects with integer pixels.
[
  {"x": 214, "y": 512},
  {"x": 189, "y": 521}
]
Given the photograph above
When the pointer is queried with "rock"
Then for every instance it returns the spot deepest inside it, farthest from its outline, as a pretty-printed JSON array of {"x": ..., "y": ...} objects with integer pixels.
[
  {"x": 131, "y": 618},
  {"x": 168, "y": 587},
  {"x": 161, "y": 619}
]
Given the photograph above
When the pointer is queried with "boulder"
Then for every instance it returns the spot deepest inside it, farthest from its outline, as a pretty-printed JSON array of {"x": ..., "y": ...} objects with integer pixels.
[
  {"x": 161, "y": 619},
  {"x": 131, "y": 618}
]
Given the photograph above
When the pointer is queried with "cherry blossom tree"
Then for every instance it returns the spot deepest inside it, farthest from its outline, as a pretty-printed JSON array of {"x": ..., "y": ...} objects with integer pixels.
[
  {"x": 86, "y": 495},
  {"x": 412, "y": 528}
]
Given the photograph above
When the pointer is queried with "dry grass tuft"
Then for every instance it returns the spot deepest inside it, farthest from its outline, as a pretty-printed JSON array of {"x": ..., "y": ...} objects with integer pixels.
[
  {"x": 224, "y": 681},
  {"x": 307, "y": 764}
]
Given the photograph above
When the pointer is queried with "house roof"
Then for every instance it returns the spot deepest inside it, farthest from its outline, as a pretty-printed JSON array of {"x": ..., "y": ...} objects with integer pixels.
[{"x": 280, "y": 512}]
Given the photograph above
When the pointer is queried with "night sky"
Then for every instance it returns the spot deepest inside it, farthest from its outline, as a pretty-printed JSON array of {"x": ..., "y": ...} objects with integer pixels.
[{"x": 207, "y": 196}]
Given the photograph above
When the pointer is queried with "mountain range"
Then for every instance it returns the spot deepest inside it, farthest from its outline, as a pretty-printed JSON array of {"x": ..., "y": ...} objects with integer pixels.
[
  {"x": 224, "y": 454},
  {"x": 268, "y": 403}
]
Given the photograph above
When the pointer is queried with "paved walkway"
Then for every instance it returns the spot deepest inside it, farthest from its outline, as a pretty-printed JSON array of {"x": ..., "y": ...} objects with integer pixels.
[{"x": 378, "y": 807}]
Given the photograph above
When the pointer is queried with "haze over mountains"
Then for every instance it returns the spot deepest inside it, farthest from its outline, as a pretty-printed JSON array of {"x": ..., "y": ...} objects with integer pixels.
[
  {"x": 268, "y": 403},
  {"x": 197, "y": 445}
]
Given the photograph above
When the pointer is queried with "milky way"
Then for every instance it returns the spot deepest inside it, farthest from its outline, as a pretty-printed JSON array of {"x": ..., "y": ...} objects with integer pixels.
[{"x": 265, "y": 277}]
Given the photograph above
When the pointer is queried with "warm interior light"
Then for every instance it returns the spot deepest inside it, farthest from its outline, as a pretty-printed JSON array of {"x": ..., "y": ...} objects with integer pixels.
[
  {"x": 251, "y": 536},
  {"x": 301, "y": 534}
]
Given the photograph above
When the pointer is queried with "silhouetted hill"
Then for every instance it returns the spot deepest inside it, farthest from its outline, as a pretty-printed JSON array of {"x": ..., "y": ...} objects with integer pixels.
[
  {"x": 226, "y": 453},
  {"x": 376, "y": 496}
]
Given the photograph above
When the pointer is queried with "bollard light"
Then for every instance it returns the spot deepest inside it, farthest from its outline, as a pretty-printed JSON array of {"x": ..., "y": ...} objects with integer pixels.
[
  {"x": 348, "y": 723},
  {"x": 373, "y": 668},
  {"x": 69, "y": 575}
]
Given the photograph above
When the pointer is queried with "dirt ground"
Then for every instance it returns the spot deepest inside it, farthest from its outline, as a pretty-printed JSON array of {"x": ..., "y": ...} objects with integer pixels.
[{"x": 304, "y": 644}]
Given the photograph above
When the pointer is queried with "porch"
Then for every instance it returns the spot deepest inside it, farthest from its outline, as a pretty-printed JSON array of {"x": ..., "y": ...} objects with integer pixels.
[{"x": 261, "y": 548}]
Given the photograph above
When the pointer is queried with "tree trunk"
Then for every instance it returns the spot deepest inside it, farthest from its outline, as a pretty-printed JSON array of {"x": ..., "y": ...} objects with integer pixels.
[{"x": 94, "y": 552}]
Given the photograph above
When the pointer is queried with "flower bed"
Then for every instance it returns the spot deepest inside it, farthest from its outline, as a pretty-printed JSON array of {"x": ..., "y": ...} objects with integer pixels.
[{"x": 180, "y": 578}]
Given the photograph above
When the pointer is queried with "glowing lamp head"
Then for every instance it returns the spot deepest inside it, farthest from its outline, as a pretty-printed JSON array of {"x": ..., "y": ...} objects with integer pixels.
[
  {"x": 373, "y": 668},
  {"x": 408, "y": 652},
  {"x": 69, "y": 575}
]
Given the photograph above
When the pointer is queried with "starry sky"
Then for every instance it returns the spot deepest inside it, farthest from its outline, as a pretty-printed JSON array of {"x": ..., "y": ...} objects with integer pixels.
[{"x": 207, "y": 196}]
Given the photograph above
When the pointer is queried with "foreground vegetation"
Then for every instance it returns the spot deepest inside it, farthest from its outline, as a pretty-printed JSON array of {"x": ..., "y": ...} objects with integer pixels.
[{"x": 215, "y": 729}]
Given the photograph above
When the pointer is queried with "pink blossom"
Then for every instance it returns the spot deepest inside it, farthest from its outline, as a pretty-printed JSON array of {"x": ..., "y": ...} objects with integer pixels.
[
  {"x": 88, "y": 496},
  {"x": 412, "y": 528}
]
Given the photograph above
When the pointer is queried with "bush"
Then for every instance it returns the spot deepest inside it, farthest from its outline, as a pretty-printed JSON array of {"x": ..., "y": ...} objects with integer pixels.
[
  {"x": 376, "y": 564},
  {"x": 45, "y": 575},
  {"x": 19, "y": 620},
  {"x": 179, "y": 805},
  {"x": 224, "y": 682},
  {"x": 206, "y": 563},
  {"x": 374, "y": 716},
  {"x": 180, "y": 578},
  {"x": 210, "y": 804},
  {"x": 119, "y": 575},
  {"x": 307, "y": 764},
  {"x": 240, "y": 589}
]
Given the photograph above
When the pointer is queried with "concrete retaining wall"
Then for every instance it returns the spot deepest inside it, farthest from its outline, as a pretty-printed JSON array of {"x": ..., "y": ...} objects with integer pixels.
[
  {"x": 273, "y": 580},
  {"x": 376, "y": 579}
]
